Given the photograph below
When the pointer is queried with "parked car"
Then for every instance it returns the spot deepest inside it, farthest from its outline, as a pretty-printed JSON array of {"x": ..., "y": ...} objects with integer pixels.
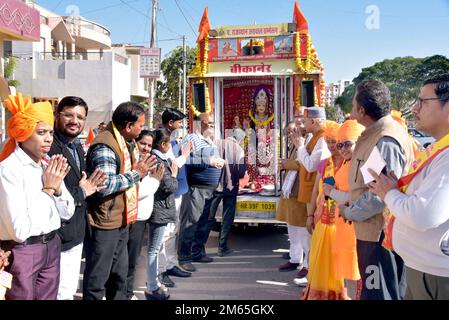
[{"x": 421, "y": 138}]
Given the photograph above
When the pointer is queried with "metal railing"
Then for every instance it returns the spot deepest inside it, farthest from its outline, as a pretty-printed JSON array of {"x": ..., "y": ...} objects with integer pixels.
[{"x": 92, "y": 56}]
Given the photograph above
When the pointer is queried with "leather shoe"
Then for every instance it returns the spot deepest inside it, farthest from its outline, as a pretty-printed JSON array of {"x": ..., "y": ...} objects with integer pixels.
[
  {"x": 176, "y": 272},
  {"x": 165, "y": 280},
  {"x": 203, "y": 259},
  {"x": 188, "y": 266},
  {"x": 158, "y": 294},
  {"x": 288, "y": 266},
  {"x": 286, "y": 256},
  {"x": 224, "y": 252},
  {"x": 302, "y": 273}
]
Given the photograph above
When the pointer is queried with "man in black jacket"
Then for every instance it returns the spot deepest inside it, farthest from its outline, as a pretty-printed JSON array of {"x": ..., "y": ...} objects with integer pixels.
[{"x": 70, "y": 117}]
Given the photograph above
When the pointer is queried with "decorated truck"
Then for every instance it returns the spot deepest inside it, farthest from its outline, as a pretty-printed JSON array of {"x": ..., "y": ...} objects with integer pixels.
[{"x": 253, "y": 78}]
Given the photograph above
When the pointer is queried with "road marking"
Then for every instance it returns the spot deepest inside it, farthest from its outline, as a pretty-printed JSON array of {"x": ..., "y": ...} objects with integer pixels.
[{"x": 275, "y": 283}]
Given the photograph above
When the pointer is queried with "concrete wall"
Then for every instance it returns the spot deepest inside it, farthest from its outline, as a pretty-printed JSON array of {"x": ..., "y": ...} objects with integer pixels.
[{"x": 102, "y": 84}]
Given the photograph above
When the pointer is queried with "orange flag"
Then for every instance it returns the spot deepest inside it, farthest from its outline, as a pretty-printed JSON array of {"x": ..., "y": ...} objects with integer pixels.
[
  {"x": 204, "y": 25},
  {"x": 90, "y": 136},
  {"x": 301, "y": 22}
]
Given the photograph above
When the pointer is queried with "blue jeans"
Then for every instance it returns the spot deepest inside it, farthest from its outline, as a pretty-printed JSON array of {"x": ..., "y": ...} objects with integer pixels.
[
  {"x": 156, "y": 235},
  {"x": 207, "y": 221}
]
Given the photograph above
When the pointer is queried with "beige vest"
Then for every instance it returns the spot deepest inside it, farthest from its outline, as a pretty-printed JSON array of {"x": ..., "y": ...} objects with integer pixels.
[
  {"x": 307, "y": 179},
  {"x": 370, "y": 230}
]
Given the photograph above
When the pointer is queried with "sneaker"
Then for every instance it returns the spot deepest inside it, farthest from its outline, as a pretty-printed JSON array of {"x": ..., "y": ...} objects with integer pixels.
[
  {"x": 302, "y": 282},
  {"x": 165, "y": 280},
  {"x": 203, "y": 259},
  {"x": 158, "y": 294},
  {"x": 175, "y": 271},
  {"x": 188, "y": 266},
  {"x": 302, "y": 273},
  {"x": 225, "y": 252},
  {"x": 288, "y": 266}
]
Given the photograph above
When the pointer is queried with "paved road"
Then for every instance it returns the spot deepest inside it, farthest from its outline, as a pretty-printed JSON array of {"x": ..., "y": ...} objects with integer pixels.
[{"x": 250, "y": 273}]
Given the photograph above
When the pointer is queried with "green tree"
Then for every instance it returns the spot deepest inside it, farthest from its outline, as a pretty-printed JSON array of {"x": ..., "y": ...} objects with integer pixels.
[
  {"x": 402, "y": 75},
  {"x": 10, "y": 66},
  {"x": 331, "y": 112},
  {"x": 168, "y": 92}
]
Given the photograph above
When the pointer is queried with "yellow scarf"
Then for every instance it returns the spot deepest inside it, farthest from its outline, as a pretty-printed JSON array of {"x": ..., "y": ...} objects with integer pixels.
[
  {"x": 131, "y": 195},
  {"x": 425, "y": 157}
]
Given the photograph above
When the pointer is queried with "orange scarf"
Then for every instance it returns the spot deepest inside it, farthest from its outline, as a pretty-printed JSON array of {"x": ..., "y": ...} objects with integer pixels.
[
  {"x": 425, "y": 157},
  {"x": 131, "y": 195}
]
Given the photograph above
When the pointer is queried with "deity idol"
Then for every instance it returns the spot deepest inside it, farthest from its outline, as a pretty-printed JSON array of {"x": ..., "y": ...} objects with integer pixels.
[{"x": 261, "y": 155}]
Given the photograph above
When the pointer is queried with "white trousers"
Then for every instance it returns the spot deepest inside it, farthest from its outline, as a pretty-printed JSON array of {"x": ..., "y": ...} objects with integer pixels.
[
  {"x": 69, "y": 272},
  {"x": 299, "y": 245},
  {"x": 168, "y": 257}
]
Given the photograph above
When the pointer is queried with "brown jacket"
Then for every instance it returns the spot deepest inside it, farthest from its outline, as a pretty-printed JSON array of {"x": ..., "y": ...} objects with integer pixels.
[
  {"x": 370, "y": 229},
  {"x": 107, "y": 212}
]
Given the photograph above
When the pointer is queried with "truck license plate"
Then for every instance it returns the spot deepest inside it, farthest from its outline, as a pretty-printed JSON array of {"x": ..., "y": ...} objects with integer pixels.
[{"x": 256, "y": 206}]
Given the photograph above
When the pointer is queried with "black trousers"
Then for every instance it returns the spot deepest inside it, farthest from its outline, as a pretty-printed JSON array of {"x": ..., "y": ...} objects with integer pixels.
[
  {"x": 382, "y": 272},
  {"x": 106, "y": 264},
  {"x": 136, "y": 235}
]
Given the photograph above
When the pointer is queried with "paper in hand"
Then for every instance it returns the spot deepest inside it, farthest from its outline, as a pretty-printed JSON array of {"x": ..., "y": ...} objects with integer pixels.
[{"x": 375, "y": 162}]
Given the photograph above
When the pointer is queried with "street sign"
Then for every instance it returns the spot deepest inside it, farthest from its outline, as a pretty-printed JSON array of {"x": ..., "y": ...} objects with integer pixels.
[{"x": 150, "y": 62}]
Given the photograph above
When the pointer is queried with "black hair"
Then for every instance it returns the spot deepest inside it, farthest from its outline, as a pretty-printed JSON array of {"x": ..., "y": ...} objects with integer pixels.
[
  {"x": 145, "y": 133},
  {"x": 441, "y": 86},
  {"x": 127, "y": 112},
  {"x": 71, "y": 102},
  {"x": 172, "y": 115},
  {"x": 160, "y": 135},
  {"x": 374, "y": 96}
]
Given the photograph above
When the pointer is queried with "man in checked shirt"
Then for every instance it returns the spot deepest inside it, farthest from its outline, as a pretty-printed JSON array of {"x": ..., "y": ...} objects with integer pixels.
[{"x": 112, "y": 209}]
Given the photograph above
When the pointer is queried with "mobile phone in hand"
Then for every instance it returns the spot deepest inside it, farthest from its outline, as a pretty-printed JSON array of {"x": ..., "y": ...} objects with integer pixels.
[{"x": 329, "y": 180}]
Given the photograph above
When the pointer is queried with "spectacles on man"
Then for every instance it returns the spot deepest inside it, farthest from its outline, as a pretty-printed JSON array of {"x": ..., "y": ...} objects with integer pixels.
[
  {"x": 346, "y": 145},
  {"x": 71, "y": 116},
  {"x": 419, "y": 101}
]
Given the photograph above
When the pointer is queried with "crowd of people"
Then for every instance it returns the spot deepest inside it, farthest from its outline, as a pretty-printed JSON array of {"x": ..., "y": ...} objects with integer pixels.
[
  {"x": 388, "y": 235},
  {"x": 386, "y": 232}
]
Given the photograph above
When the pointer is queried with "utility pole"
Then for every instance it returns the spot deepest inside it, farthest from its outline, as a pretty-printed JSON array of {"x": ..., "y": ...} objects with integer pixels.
[
  {"x": 184, "y": 80},
  {"x": 152, "y": 81},
  {"x": 179, "y": 89}
]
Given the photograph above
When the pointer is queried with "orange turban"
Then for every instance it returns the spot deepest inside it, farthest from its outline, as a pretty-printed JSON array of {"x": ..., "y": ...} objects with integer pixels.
[
  {"x": 350, "y": 130},
  {"x": 331, "y": 129},
  {"x": 397, "y": 115},
  {"x": 25, "y": 118}
]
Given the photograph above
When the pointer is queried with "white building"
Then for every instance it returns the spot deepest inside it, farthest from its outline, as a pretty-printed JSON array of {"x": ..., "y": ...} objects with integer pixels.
[
  {"x": 334, "y": 90},
  {"x": 75, "y": 57}
]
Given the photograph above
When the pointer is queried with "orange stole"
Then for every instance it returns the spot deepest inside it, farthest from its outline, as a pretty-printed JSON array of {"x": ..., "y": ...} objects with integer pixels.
[
  {"x": 345, "y": 245},
  {"x": 425, "y": 157}
]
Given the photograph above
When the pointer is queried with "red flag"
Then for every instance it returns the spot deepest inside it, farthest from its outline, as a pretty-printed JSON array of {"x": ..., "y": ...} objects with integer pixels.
[
  {"x": 204, "y": 25},
  {"x": 90, "y": 137},
  {"x": 298, "y": 18}
]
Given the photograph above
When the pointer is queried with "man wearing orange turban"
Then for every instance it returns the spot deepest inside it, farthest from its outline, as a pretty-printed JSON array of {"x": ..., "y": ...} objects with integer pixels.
[{"x": 34, "y": 200}]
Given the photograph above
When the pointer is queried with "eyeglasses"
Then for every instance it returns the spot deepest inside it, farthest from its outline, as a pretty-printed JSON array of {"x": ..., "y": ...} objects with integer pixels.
[
  {"x": 71, "y": 116},
  {"x": 419, "y": 101},
  {"x": 346, "y": 145}
]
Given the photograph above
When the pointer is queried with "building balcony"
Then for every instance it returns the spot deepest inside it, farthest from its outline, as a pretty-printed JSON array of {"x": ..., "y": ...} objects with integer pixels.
[{"x": 88, "y": 35}]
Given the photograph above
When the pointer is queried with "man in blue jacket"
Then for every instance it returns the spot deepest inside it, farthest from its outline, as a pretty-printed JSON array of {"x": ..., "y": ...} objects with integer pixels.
[{"x": 203, "y": 174}]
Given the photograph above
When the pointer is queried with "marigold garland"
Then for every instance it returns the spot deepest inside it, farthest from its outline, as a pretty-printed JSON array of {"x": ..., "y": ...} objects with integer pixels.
[{"x": 258, "y": 123}]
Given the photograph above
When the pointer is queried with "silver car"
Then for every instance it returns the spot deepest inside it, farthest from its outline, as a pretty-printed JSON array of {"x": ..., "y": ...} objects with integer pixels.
[{"x": 421, "y": 138}]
